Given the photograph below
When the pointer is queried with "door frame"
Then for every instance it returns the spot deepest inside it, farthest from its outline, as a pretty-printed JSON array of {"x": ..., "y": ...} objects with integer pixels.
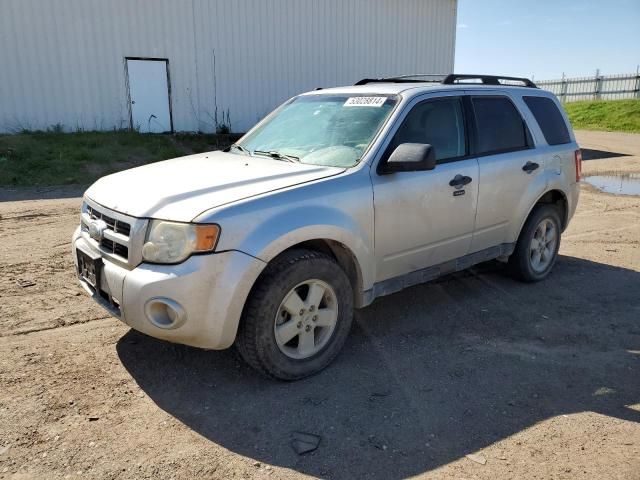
[
  {"x": 384, "y": 151},
  {"x": 468, "y": 125},
  {"x": 128, "y": 87},
  {"x": 379, "y": 178},
  {"x": 474, "y": 149}
]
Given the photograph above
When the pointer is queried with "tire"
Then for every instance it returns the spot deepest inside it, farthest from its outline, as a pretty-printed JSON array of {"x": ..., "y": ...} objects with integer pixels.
[
  {"x": 522, "y": 263},
  {"x": 265, "y": 324}
]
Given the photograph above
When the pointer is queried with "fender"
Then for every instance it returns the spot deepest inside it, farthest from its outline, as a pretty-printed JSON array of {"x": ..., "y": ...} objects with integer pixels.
[
  {"x": 340, "y": 211},
  {"x": 269, "y": 239},
  {"x": 556, "y": 188},
  {"x": 571, "y": 196}
]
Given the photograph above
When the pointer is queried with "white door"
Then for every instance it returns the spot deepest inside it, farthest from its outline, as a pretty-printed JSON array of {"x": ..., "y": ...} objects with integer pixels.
[{"x": 149, "y": 95}]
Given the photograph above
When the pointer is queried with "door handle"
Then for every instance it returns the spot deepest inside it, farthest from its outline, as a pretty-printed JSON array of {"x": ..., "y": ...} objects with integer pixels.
[
  {"x": 460, "y": 181},
  {"x": 530, "y": 167}
]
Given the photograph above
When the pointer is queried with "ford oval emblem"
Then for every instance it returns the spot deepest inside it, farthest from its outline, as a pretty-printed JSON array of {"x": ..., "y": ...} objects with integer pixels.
[{"x": 96, "y": 229}]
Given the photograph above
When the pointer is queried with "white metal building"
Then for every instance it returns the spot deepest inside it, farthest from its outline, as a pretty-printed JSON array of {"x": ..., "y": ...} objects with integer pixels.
[{"x": 169, "y": 65}]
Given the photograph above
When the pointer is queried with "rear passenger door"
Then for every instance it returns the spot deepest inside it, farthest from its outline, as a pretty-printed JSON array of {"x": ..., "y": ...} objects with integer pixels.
[{"x": 511, "y": 171}]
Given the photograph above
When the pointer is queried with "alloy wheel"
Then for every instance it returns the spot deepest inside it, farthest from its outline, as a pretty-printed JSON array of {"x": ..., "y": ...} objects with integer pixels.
[
  {"x": 306, "y": 319},
  {"x": 542, "y": 248}
]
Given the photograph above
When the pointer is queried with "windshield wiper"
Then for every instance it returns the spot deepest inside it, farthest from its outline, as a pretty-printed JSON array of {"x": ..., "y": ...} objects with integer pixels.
[
  {"x": 277, "y": 155},
  {"x": 238, "y": 147}
]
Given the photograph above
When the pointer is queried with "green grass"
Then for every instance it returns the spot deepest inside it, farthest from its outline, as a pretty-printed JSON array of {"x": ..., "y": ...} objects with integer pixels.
[
  {"x": 606, "y": 115},
  {"x": 54, "y": 158}
]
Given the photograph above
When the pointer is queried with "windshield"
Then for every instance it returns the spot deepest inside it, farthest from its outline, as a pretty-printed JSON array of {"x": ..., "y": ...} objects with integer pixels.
[{"x": 331, "y": 130}]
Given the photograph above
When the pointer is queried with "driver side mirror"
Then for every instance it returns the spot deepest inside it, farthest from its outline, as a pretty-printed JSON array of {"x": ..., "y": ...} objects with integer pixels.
[{"x": 411, "y": 157}]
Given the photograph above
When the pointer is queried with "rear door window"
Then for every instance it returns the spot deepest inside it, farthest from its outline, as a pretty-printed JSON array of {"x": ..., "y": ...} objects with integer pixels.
[
  {"x": 549, "y": 119},
  {"x": 500, "y": 127}
]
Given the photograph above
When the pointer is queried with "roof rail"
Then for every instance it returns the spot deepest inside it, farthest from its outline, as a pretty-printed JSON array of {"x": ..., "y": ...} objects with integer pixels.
[
  {"x": 488, "y": 80},
  {"x": 450, "y": 79},
  {"x": 414, "y": 78}
]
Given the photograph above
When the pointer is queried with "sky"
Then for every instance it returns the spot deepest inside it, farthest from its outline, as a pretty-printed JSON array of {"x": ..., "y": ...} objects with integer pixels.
[{"x": 544, "y": 38}]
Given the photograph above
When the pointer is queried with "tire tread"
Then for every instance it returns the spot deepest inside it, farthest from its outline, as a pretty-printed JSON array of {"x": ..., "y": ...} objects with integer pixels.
[
  {"x": 518, "y": 265},
  {"x": 247, "y": 341}
]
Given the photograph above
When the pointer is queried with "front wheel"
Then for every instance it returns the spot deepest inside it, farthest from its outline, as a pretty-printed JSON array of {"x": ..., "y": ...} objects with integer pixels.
[
  {"x": 298, "y": 316},
  {"x": 537, "y": 248}
]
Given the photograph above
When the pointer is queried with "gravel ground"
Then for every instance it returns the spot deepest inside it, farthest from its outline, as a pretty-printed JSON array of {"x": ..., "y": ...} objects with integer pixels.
[{"x": 474, "y": 376}]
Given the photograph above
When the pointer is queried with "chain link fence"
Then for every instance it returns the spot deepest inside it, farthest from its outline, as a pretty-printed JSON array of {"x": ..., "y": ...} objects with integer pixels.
[{"x": 597, "y": 87}]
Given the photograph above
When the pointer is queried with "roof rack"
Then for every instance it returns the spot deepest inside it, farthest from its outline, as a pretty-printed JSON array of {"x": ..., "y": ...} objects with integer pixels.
[
  {"x": 488, "y": 80},
  {"x": 438, "y": 77},
  {"x": 452, "y": 79}
]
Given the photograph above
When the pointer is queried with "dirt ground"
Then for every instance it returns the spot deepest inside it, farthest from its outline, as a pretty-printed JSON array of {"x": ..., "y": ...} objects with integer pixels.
[{"x": 474, "y": 376}]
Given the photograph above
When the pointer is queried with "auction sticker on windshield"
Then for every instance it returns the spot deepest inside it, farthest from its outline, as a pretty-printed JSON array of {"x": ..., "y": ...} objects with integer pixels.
[{"x": 365, "y": 101}]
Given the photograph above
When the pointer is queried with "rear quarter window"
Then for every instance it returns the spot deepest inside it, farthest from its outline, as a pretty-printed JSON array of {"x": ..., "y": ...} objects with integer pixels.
[{"x": 549, "y": 119}]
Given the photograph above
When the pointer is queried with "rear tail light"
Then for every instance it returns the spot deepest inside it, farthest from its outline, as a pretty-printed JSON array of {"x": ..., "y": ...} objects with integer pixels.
[{"x": 578, "y": 165}]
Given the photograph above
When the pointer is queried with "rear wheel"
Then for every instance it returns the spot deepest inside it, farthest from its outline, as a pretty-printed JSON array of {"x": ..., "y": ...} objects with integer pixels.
[
  {"x": 298, "y": 316},
  {"x": 537, "y": 248}
]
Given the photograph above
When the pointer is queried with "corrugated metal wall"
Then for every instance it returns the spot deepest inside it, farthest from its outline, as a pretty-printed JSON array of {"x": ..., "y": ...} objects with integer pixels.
[{"x": 62, "y": 62}]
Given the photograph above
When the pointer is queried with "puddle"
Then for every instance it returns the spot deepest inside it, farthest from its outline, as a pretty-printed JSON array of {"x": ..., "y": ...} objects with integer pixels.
[{"x": 618, "y": 184}]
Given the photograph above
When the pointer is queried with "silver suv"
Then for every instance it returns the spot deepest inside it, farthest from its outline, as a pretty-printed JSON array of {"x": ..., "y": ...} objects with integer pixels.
[{"x": 336, "y": 198}]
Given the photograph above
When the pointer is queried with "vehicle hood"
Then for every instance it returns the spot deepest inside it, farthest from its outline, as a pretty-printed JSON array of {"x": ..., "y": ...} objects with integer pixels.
[{"x": 182, "y": 188}]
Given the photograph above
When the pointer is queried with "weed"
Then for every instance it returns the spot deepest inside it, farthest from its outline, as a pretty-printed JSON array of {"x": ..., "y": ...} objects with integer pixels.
[{"x": 38, "y": 158}]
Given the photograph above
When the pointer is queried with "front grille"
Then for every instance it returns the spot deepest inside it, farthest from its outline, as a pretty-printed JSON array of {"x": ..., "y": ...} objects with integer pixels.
[
  {"x": 116, "y": 237},
  {"x": 115, "y": 248},
  {"x": 117, "y": 226}
]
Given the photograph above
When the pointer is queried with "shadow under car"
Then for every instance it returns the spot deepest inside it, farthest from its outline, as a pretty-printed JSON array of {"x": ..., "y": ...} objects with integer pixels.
[{"x": 427, "y": 376}]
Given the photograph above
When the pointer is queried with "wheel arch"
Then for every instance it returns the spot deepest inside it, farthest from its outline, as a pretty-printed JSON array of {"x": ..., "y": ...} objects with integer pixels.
[
  {"x": 341, "y": 253},
  {"x": 553, "y": 197},
  {"x": 558, "y": 198}
]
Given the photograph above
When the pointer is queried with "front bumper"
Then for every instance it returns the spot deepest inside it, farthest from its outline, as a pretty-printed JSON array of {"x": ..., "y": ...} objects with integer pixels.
[{"x": 211, "y": 291}]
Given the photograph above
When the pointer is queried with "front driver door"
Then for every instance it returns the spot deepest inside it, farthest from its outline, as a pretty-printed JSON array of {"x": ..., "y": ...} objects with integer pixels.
[{"x": 422, "y": 220}]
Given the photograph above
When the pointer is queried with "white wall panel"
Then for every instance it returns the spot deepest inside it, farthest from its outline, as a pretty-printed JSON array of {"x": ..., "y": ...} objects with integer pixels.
[{"x": 63, "y": 61}]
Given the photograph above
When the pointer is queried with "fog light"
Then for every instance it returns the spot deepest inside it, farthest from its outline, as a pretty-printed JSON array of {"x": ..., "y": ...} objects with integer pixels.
[{"x": 165, "y": 313}]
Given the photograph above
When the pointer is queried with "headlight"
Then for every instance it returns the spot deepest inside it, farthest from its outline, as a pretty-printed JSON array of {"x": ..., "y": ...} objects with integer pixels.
[{"x": 170, "y": 242}]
